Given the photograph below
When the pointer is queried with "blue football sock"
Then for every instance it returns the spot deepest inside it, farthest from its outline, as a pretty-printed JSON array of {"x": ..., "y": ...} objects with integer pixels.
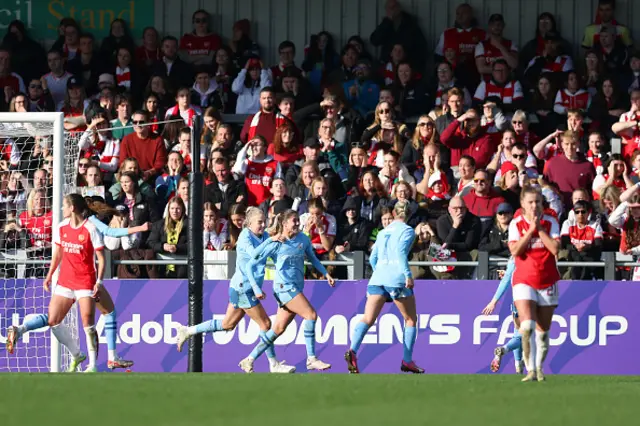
[
  {"x": 409, "y": 341},
  {"x": 266, "y": 340},
  {"x": 517, "y": 354},
  {"x": 111, "y": 330},
  {"x": 358, "y": 335},
  {"x": 209, "y": 326},
  {"x": 310, "y": 337},
  {"x": 514, "y": 344},
  {"x": 271, "y": 351},
  {"x": 35, "y": 323}
]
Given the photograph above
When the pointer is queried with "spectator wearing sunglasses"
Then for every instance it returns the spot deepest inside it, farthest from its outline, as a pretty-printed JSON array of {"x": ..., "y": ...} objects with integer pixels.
[
  {"x": 582, "y": 238},
  {"x": 483, "y": 201},
  {"x": 511, "y": 151},
  {"x": 520, "y": 125},
  {"x": 385, "y": 134},
  {"x": 495, "y": 241},
  {"x": 147, "y": 147},
  {"x": 39, "y": 97},
  {"x": 199, "y": 46}
]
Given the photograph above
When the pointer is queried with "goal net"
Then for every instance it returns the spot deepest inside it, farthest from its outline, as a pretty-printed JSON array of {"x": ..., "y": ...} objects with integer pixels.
[{"x": 38, "y": 166}]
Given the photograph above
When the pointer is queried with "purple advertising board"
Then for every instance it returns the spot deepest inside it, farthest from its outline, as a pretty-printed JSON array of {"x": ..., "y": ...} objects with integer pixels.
[{"x": 595, "y": 328}]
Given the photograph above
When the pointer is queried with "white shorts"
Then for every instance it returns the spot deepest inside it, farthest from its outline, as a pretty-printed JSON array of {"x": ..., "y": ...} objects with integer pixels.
[
  {"x": 545, "y": 297},
  {"x": 72, "y": 294}
]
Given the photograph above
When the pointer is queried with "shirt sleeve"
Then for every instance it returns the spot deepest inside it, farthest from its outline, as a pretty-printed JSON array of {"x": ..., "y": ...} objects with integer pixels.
[
  {"x": 481, "y": 92},
  {"x": 517, "y": 91},
  {"x": 565, "y": 228},
  {"x": 440, "y": 46},
  {"x": 555, "y": 228},
  {"x": 479, "y": 52},
  {"x": 598, "y": 231},
  {"x": 331, "y": 228},
  {"x": 260, "y": 254},
  {"x": 96, "y": 238},
  {"x": 56, "y": 235},
  {"x": 514, "y": 234}
]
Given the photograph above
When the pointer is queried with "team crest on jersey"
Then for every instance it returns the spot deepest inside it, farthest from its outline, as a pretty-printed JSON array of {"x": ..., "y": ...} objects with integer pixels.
[
  {"x": 81, "y": 238},
  {"x": 269, "y": 170},
  {"x": 64, "y": 235},
  {"x": 47, "y": 222}
]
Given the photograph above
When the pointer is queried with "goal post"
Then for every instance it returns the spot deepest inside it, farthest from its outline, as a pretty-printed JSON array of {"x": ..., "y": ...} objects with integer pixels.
[{"x": 24, "y": 127}]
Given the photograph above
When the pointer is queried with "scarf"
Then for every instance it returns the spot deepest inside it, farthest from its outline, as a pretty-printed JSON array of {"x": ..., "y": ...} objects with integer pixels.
[
  {"x": 253, "y": 127},
  {"x": 123, "y": 77},
  {"x": 389, "y": 73},
  {"x": 438, "y": 196},
  {"x": 596, "y": 159},
  {"x": 175, "y": 110},
  {"x": 172, "y": 238}
]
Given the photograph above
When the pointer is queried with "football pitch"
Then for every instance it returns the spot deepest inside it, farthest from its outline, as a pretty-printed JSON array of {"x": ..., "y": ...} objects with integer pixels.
[{"x": 314, "y": 399}]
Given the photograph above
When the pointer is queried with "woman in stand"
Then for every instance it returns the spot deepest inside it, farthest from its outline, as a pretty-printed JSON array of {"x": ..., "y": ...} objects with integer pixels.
[
  {"x": 169, "y": 236},
  {"x": 534, "y": 242},
  {"x": 244, "y": 294},
  {"x": 288, "y": 248}
]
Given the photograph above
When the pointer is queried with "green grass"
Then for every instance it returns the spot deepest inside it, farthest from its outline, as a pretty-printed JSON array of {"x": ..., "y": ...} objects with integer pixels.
[{"x": 315, "y": 399}]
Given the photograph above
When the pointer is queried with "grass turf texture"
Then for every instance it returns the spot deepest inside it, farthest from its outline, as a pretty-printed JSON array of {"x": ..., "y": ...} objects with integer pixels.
[{"x": 314, "y": 399}]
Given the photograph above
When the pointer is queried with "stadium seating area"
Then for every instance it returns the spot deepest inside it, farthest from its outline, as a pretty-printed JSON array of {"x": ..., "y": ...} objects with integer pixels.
[{"x": 340, "y": 137}]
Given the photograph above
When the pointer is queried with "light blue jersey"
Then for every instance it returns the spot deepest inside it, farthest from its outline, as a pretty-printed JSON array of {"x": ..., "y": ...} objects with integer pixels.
[
  {"x": 390, "y": 255},
  {"x": 289, "y": 260},
  {"x": 247, "y": 243},
  {"x": 505, "y": 283},
  {"x": 106, "y": 230}
]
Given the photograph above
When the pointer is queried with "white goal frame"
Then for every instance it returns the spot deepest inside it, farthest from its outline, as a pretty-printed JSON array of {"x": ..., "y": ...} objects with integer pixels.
[{"x": 57, "y": 121}]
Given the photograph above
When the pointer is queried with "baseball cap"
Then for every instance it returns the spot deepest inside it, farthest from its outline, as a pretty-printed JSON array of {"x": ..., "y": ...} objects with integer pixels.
[
  {"x": 106, "y": 79},
  {"x": 312, "y": 143},
  {"x": 507, "y": 166},
  {"x": 122, "y": 209},
  {"x": 73, "y": 82},
  {"x": 496, "y": 17},
  {"x": 504, "y": 208},
  {"x": 436, "y": 177}
]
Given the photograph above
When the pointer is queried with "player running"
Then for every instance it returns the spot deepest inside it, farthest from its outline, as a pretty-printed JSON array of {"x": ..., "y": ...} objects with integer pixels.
[
  {"x": 104, "y": 302},
  {"x": 288, "y": 256},
  {"x": 77, "y": 244},
  {"x": 244, "y": 294},
  {"x": 391, "y": 281},
  {"x": 515, "y": 344},
  {"x": 534, "y": 243}
]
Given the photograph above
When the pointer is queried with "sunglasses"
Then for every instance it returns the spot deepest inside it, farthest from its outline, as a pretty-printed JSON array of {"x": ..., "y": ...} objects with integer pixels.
[
  {"x": 83, "y": 165},
  {"x": 479, "y": 181},
  {"x": 519, "y": 156},
  {"x": 503, "y": 213},
  {"x": 580, "y": 212},
  {"x": 358, "y": 144},
  {"x": 384, "y": 111},
  {"x": 425, "y": 124},
  {"x": 137, "y": 123},
  {"x": 517, "y": 122}
]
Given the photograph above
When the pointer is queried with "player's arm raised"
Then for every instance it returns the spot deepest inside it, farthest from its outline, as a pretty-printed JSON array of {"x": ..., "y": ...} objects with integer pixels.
[{"x": 518, "y": 244}]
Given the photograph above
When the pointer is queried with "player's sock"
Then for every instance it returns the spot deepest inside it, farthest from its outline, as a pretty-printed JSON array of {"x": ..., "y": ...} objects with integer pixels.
[
  {"x": 358, "y": 335},
  {"x": 542, "y": 347},
  {"x": 271, "y": 352},
  {"x": 210, "y": 326},
  {"x": 526, "y": 330},
  {"x": 310, "y": 337},
  {"x": 63, "y": 335},
  {"x": 92, "y": 344},
  {"x": 517, "y": 354},
  {"x": 409, "y": 341},
  {"x": 34, "y": 323},
  {"x": 514, "y": 344},
  {"x": 111, "y": 331},
  {"x": 266, "y": 340}
]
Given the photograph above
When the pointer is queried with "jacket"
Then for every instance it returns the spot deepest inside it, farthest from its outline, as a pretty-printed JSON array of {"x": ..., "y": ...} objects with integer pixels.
[
  {"x": 349, "y": 124},
  {"x": 479, "y": 146},
  {"x": 408, "y": 33},
  {"x": 144, "y": 210},
  {"x": 462, "y": 239},
  {"x": 181, "y": 74},
  {"x": 157, "y": 239},
  {"x": 357, "y": 235},
  {"x": 366, "y": 99},
  {"x": 214, "y": 195},
  {"x": 495, "y": 242}
]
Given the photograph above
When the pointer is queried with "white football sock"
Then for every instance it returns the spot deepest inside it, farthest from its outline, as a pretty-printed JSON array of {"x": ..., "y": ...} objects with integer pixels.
[
  {"x": 542, "y": 346},
  {"x": 92, "y": 344},
  {"x": 112, "y": 355},
  {"x": 62, "y": 333},
  {"x": 528, "y": 349}
]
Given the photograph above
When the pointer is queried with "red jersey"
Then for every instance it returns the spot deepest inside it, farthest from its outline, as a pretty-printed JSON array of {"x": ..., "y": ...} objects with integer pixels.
[
  {"x": 258, "y": 177},
  {"x": 70, "y": 111},
  {"x": 330, "y": 228},
  {"x": 13, "y": 81},
  {"x": 197, "y": 45},
  {"x": 463, "y": 41},
  {"x": 510, "y": 92},
  {"x": 587, "y": 235},
  {"x": 490, "y": 53},
  {"x": 579, "y": 100},
  {"x": 38, "y": 228},
  {"x": 631, "y": 137},
  {"x": 536, "y": 267},
  {"x": 78, "y": 245}
]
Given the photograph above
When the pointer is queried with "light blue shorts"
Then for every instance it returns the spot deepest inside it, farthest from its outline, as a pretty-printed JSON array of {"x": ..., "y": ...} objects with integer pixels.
[
  {"x": 284, "y": 297},
  {"x": 243, "y": 300},
  {"x": 390, "y": 293}
]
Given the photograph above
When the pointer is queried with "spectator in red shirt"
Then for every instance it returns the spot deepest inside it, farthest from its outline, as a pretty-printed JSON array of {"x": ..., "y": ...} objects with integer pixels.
[
  {"x": 199, "y": 46},
  {"x": 495, "y": 47},
  {"x": 10, "y": 83},
  {"x": 265, "y": 122},
  {"x": 462, "y": 37},
  {"x": 145, "y": 146},
  {"x": 570, "y": 170},
  {"x": 502, "y": 87},
  {"x": 465, "y": 136},
  {"x": 483, "y": 201},
  {"x": 583, "y": 240},
  {"x": 628, "y": 128},
  {"x": 285, "y": 149},
  {"x": 149, "y": 53}
]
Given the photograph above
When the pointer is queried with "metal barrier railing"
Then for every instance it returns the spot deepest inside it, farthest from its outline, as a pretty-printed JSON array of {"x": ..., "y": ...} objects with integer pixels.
[{"x": 353, "y": 261}]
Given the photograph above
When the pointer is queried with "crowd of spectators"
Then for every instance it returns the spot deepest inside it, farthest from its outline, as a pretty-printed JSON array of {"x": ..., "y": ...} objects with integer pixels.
[{"x": 340, "y": 137}]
